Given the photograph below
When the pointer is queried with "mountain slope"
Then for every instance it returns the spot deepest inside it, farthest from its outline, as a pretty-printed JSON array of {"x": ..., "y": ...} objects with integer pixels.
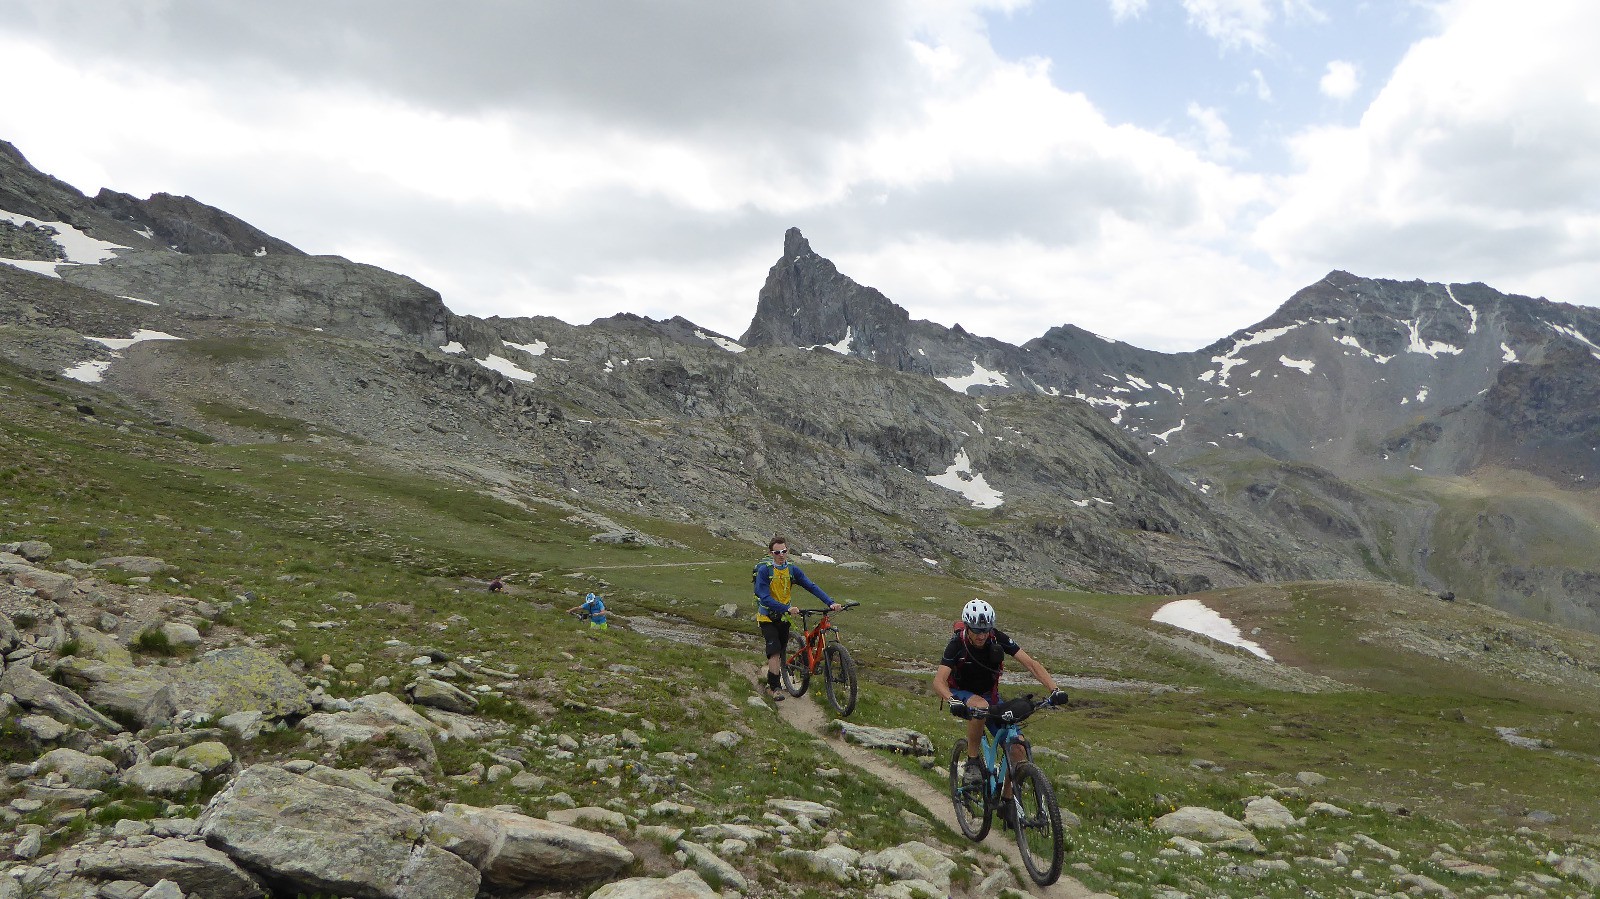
[
  {"x": 656, "y": 418},
  {"x": 1414, "y": 743},
  {"x": 1350, "y": 420}
]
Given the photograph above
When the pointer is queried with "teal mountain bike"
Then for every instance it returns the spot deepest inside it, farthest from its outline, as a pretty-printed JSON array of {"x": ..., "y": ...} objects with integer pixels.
[{"x": 1030, "y": 811}]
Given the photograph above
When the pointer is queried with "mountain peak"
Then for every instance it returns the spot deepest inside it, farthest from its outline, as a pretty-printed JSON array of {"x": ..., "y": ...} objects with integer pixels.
[{"x": 795, "y": 244}]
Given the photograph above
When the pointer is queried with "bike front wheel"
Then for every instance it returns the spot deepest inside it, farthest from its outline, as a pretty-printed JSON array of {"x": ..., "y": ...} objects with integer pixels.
[
  {"x": 1040, "y": 838},
  {"x": 796, "y": 673},
  {"x": 840, "y": 670},
  {"x": 973, "y": 812}
]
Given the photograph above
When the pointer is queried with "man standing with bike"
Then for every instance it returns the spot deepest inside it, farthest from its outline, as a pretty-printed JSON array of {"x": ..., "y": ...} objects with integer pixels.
[
  {"x": 968, "y": 679},
  {"x": 774, "y": 580}
]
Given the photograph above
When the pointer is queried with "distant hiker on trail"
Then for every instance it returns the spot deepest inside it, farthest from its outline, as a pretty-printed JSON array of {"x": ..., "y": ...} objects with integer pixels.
[
  {"x": 594, "y": 608},
  {"x": 774, "y": 579},
  {"x": 496, "y": 585}
]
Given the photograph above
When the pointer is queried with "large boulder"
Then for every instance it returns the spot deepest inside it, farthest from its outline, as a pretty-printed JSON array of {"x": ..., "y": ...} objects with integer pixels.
[
  {"x": 894, "y": 739},
  {"x": 196, "y": 868},
  {"x": 163, "y": 780},
  {"x": 1267, "y": 813},
  {"x": 376, "y": 716},
  {"x": 78, "y": 768},
  {"x": 34, "y": 691},
  {"x": 208, "y": 758},
  {"x": 101, "y": 646},
  {"x": 317, "y": 838},
  {"x": 440, "y": 695},
  {"x": 123, "y": 692},
  {"x": 528, "y": 850},
  {"x": 682, "y": 885},
  {"x": 1209, "y": 826},
  {"x": 239, "y": 679},
  {"x": 46, "y": 584},
  {"x": 914, "y": 860}
]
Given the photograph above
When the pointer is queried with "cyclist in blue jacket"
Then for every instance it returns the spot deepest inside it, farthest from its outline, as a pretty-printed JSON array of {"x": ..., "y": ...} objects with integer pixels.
[{"x": 774, "y": 581}]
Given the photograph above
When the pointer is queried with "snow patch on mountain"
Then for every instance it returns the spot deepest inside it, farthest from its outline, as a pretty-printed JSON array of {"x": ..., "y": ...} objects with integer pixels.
[
  {"x": 960, "y": 478},
  {"x": 92, "y": 371},
  {"x": 1195, "y": 616},
  {"x": 980, "y": 377},
  {"x": 1427, "y": 347}
]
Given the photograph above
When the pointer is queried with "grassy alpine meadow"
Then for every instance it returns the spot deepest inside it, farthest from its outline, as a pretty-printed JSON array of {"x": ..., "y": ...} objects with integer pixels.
[{"x": 1394, "y": 701}]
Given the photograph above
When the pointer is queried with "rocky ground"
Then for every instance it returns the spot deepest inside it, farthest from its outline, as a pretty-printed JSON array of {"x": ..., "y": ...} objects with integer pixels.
[{"x": 147, "y": 746}]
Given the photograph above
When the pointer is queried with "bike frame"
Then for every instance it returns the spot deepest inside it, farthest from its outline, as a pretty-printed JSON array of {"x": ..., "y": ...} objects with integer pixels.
[
  {"x": 998, "y": 759},
  {"x": 814, "y": 642}
]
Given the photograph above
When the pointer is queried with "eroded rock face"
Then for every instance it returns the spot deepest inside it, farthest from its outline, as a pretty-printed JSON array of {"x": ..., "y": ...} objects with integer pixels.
[
  {"x": 314, "y": 837},
  {"x": 309, "y": 291}
]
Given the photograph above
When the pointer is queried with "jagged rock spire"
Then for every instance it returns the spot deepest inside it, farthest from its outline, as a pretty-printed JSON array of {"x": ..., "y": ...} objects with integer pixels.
[{"x": 795, "y": 244}]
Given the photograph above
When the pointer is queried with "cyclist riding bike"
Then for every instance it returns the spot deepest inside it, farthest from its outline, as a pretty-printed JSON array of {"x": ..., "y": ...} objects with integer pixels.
[{"x": 968, "y": 680}]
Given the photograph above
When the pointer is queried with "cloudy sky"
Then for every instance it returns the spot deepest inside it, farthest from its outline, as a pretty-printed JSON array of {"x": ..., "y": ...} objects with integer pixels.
[{"x": 1162, "y": 172}]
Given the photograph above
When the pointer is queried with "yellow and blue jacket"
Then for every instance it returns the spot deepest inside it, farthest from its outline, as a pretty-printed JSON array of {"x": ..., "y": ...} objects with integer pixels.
[{"x": 774, "y": 583}]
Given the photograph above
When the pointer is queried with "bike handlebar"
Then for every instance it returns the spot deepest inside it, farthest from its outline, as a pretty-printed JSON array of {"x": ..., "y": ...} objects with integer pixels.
[
  {"x": 997, "y": 713},
  {"x": 805, "y": 613}
]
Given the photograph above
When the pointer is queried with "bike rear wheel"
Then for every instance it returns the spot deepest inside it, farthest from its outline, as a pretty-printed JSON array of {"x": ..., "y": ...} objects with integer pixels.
[
  {"x": 839, "y": 669},
  {"x": 796, "y": 673},
  {"x": 973, "y": 812},
  {"x": 1040, "y": 838}
]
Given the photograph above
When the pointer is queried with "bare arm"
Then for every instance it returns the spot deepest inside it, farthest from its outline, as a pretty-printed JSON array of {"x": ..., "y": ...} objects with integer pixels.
[
  {"x": 1034, "y": 668},
  {"x": 941, "y": 682}
]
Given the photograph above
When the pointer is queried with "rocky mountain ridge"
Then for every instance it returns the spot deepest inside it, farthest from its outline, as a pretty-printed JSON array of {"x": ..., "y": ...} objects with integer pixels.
[
  {"x": 895, "y": 440},
  {"x": 663, "y": 417},
  {"x": 1311, "y": 419}
]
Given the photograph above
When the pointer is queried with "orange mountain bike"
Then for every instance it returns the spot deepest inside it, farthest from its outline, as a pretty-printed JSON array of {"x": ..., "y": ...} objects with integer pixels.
[{"x": 821, "y": 647}]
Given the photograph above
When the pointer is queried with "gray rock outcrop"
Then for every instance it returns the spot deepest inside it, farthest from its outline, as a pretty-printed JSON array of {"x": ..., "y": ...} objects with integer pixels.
[
  {"x": 194, "y": 867},
  {"x": 525, "y": 850},
  {"x": 321, "y": 838},
  {"x": 239, "y": 679}
]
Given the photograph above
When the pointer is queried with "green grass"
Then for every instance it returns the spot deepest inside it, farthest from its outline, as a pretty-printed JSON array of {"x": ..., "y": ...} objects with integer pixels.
[{"x": 293, "y": 528}]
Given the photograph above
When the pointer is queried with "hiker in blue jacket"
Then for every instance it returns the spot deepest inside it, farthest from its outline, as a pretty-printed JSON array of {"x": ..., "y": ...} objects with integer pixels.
[
  {"x": 595, "y": 606},
  {"x": 774, "y": 580}
]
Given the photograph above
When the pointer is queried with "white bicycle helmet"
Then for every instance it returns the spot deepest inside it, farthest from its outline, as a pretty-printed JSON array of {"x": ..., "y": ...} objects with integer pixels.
[{"x": 978, "y": 615}]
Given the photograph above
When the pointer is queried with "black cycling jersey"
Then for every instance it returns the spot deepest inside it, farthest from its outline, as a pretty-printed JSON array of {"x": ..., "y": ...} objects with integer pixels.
[{"x": 977, "y": 668}]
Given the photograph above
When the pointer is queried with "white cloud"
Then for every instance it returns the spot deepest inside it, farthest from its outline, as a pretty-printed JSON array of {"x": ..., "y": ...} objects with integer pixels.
[
  {"x": 1214, "y": 133},
  {"x": 1263, "y": 89},
  {"x": 1462, "y": 170},
  {"x": 1340, "y": 80},
  {"x": 647, "y": 158},
  {"x": 1122, "y": 10},
  {"x": 1232, "y": 23}
]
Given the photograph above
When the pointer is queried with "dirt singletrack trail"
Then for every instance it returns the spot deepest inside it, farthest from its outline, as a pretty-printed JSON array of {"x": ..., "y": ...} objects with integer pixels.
[{"x": 807, "y": 717}]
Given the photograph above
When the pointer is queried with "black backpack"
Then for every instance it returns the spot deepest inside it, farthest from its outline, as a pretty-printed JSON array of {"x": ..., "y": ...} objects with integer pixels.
[{"x": 960, "y": 630}]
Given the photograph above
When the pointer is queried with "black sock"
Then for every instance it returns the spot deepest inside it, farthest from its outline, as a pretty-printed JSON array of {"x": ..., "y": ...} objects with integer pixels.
[{"x": 772, "y": 681}]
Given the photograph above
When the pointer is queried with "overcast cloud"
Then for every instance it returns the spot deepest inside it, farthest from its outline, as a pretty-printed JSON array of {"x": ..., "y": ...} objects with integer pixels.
[{"x": 583, "y": 159}]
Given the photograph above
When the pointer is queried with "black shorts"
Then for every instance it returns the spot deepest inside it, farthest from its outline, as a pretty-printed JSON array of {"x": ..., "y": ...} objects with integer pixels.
[{"x": 776, "y": 633}]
